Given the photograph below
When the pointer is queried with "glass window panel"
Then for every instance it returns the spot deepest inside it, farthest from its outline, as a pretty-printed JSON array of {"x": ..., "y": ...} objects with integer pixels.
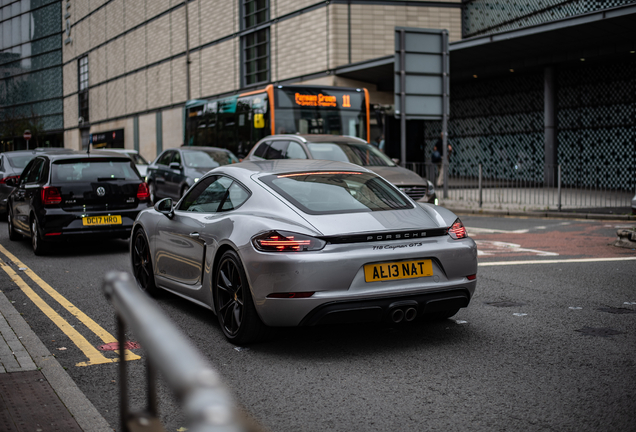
[
  {"x": 47, "y": 44},
  {"x": 6, "y": 34},
  {"x": 48, "y": 19},
  {"x": 15, "y": 9},
  {"x": 25, "y": 26},
  {"x": 25, "y": 5}
]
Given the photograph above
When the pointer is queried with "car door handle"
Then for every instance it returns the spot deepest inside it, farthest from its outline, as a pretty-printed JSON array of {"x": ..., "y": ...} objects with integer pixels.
[{"x": 194, "y": 234}]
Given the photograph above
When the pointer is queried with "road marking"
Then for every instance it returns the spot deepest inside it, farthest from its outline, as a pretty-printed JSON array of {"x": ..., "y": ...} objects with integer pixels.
[
  {"x": 473, "y": 230},
  {"x": 487, "y": 247},
  {"x": 95, "y": 356},
  {"x": 559, "y": 261}
]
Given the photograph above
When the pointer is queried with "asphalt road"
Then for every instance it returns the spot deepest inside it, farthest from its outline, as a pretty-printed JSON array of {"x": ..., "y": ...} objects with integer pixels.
[{"x": 545, "y": 345}]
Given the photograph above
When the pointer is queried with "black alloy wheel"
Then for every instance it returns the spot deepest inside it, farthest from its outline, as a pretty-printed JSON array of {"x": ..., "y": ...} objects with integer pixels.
[
  {"x": 142, "y": 263},
  {"x": 233, "y": 302},
  {"x": 39, "y": 246},
  {"x": 13, "y": 234}
]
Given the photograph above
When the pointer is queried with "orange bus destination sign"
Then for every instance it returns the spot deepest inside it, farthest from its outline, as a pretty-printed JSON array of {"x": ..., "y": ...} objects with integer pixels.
[{"x": 321, "y": 100}]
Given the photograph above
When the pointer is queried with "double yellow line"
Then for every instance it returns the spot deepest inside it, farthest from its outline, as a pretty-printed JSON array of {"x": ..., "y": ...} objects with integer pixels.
[{"x": 94, "y": 356}]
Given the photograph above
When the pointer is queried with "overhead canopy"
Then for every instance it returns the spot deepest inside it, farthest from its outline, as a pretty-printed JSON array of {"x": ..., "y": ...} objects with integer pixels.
[{"x": 604, "y": 33}]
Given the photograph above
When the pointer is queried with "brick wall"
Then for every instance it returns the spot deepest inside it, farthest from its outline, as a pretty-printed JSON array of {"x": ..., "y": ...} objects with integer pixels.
[
  {"x": 132, "y": 72},
  {"x": 301, "y": 44}
]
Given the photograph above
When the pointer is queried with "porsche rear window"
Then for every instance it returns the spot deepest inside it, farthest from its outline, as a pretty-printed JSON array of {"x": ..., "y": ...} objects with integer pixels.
[
  {"x": 325, "y": 192},
  {"x": 93, "y": 170}
]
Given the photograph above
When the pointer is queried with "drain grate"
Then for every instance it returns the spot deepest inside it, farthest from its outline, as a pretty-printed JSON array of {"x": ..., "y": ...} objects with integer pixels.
[
  {"x": 598, "y": 331},
  {"x": 615, "y": 310},
  {"x": 29, "y": 402},
  {"x": 504, "y": 304}
]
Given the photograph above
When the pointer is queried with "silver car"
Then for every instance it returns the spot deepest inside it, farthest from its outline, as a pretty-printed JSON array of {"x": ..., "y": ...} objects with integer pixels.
[
  {"x": 301, "y": 243},
  {"x": 344, "y": 149}
]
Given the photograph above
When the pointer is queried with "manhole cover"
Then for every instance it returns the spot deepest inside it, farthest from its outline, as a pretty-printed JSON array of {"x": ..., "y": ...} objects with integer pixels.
[
  {"x": 504, "y": 304},
  {"x": 618, "y": 311},
  {"x": 601, "y": 331}
]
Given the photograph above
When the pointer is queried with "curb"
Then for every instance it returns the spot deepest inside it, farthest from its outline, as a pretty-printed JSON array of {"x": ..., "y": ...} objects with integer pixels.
[
  {"x": 84, "y": 412},
  {"x": 540, "y": 214}
]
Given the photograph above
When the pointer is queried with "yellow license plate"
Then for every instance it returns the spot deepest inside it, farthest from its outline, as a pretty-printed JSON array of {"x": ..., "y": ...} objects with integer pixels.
[
  {"x": 398, "y": 270},
  {"x": 102, "y": 220}
]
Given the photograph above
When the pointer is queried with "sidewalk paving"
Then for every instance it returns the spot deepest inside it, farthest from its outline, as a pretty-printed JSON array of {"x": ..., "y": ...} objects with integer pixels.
[
  {"x": 536, "y": 211},
  {"x": 36, "y": 393}
]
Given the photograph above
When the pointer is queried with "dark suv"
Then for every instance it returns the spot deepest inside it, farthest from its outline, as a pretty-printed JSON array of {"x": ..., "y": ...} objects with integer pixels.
[{"x": 69, "y": 194}]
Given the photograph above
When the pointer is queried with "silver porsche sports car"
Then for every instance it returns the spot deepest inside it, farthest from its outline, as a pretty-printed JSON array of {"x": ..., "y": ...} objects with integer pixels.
[{"x": 301, "y": 243}]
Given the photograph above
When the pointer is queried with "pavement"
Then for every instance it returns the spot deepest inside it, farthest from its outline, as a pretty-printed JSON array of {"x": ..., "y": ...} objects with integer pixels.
[
  {"x": 31, "y": 377},
  {"x": 462, "y": 207}
]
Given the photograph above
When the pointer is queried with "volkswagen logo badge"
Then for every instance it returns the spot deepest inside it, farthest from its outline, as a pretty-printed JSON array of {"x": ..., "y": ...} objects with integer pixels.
[{"x": 101, "y": 191}]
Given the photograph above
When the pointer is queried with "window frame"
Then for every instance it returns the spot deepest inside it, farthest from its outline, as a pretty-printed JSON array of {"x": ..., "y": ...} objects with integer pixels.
[
  {"x": 82, "y": 87},
  {"x": 251, "y": 30}
]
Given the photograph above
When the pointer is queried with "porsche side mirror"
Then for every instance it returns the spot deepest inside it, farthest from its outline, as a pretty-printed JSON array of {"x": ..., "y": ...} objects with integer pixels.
[{"x": 165, "y": 207}]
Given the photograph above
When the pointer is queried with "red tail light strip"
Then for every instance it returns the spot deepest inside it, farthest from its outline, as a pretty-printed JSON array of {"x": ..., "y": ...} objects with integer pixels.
[{"x": 318, "y": 173}]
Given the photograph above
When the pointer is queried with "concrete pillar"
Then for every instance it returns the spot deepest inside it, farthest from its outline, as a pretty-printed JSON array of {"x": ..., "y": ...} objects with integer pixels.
[{"x": 550, "y": 112}]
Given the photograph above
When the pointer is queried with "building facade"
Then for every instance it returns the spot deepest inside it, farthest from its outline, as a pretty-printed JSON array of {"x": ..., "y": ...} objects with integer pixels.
[
  {"x": 131, "y": 65},
  {"x": 534, "y": 84},
  {"x": 30, "y": 73}
]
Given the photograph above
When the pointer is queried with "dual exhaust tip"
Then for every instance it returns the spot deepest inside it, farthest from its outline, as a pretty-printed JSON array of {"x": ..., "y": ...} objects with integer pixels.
[{"x": 399, "y": 314}]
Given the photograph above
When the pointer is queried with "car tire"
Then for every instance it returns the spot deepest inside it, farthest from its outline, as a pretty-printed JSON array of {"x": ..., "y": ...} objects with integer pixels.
[
  {"x": 152, "y": 193},
  {"x": 40, "y": 247},
  {"x": 13, "y": 234},
  {"x": 233, "y": 302},
  {"x": 440, "y": 316},
  {"x": 141, "y": 260}
]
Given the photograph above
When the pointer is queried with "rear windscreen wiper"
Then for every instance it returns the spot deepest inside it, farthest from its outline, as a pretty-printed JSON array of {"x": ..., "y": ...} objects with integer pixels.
[{"x": 110, "y": 178}]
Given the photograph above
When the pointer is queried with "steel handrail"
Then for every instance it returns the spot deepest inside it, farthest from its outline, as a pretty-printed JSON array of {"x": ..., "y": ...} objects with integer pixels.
[{"x": 207, "y": 404}]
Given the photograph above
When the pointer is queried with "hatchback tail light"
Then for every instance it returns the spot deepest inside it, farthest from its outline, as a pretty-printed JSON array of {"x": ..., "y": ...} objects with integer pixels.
[
  {"x": 282, "y": 241},
  {"x": 457, "y": 230},
  {"x": 142, "y": 192},
  {"x": 51, "y": 195}
]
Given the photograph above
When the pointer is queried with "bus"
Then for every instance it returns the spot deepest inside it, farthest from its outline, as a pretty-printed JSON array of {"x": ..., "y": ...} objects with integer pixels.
[{"x": 238, "y": 122}]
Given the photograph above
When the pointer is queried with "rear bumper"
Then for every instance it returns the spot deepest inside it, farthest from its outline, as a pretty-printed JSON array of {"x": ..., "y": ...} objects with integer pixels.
[
  {"x": 379, "y": 309},
  {"x": 60, "y": 225}
]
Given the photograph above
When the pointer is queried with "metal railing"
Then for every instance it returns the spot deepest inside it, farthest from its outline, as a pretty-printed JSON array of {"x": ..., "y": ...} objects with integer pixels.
[
  {"x": 545, "y": 187},
  {"x": 207, "y": 404}
]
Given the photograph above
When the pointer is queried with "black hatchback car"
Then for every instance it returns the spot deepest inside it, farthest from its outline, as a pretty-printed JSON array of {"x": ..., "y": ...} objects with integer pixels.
[
  {"x": 175, "y": 170},
  {"x": 66, "y": 195}
]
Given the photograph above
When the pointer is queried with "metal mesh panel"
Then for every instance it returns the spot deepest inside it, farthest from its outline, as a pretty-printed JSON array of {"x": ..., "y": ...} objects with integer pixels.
[
  {"x": 498, "y": 123},
  {"x": 597, "y": 114},
  {"x": 482, "y": 17}
]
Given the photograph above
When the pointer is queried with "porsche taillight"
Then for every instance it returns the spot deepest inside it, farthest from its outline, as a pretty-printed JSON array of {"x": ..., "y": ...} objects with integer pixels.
[
  {"x": 51, "y": 195},
  {"x": 457, "y": 230},
  {"x": 281, "y": 241}
]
